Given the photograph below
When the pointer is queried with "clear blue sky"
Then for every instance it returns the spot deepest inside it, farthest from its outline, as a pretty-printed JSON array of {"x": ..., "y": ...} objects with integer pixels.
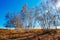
[{"x": 14, "y": 6}]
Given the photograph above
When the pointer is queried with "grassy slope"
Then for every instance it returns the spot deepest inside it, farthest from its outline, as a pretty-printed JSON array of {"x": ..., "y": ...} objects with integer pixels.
[{"x": 11, "y": 34}]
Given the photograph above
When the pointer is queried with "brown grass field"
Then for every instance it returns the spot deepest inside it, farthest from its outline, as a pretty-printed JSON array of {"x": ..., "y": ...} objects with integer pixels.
[{"x": 35, "y": 34}]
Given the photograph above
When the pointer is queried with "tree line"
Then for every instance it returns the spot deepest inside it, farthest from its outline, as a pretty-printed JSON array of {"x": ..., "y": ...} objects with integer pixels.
[{"x": 44, "y": 15}]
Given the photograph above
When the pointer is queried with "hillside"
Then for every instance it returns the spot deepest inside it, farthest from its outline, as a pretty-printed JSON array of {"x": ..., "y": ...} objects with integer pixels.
[{"x": 35, "y": 34}]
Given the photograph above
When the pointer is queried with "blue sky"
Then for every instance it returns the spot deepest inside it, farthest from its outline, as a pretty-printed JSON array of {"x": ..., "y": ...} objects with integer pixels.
[{"x": 14, "y": 6}]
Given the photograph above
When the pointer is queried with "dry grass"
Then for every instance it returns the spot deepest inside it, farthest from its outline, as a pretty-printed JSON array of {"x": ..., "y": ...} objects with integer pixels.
[{"x": 34, "y": 34}]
